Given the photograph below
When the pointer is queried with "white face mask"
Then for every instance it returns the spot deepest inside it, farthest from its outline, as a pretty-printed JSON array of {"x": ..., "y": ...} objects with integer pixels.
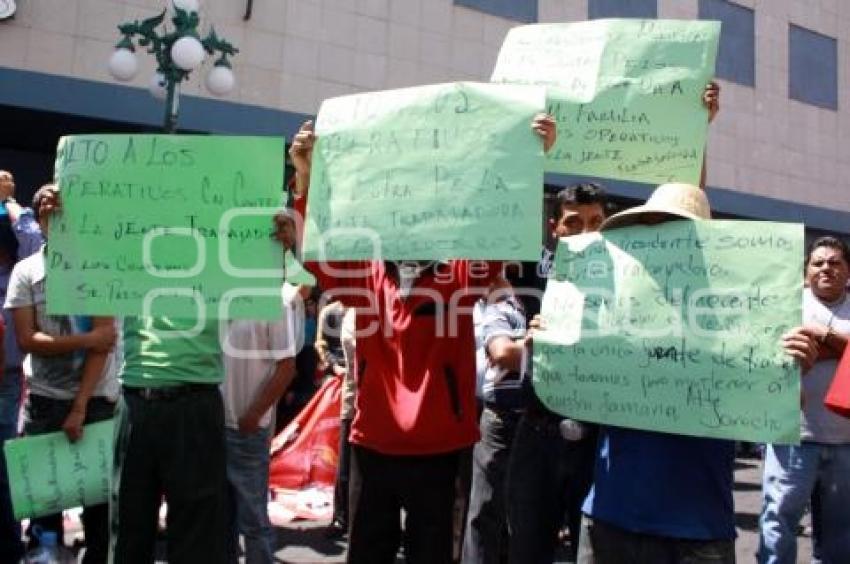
[{"x": 408, "y": 272}]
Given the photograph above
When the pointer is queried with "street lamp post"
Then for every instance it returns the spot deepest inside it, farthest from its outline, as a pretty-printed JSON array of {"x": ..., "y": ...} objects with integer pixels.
[{"x": 178, "y": 52}]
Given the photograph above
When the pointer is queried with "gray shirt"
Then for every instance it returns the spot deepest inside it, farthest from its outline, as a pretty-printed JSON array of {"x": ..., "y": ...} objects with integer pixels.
[
  {"x": 818, "y": 424},
  {"x": 54, "y": 376}
]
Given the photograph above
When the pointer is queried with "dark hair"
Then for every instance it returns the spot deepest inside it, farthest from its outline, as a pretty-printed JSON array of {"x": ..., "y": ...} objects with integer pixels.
[
  {"x": 39, "y": 195},
  {"x": 832, "y": 243},
  {"x": 582, "y": 193}
]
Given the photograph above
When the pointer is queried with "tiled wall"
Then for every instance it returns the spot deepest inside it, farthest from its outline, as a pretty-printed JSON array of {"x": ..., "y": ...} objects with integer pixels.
[{"x": 294, "y": 53}]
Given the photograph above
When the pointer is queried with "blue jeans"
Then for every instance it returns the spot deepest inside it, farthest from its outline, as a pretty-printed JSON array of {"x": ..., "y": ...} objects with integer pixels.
[
  {"x": 248, "y": 477},
  {"x": 790, "y": 475},
  {"x": 11, "y": 547}
]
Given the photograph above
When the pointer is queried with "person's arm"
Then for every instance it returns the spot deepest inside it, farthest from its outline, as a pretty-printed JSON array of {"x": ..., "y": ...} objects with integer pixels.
[
  {"x": 93, "y": 367},
  {"x": 321, "y": 345},
  {"x": 711, "y": 101},
  {"x": 329, "y": 275},
  {"x": 27, "y": 232},
  {"x": 24, "y": 225},
  {"x": 269, "y": 394},
  {"x": 506, "y": 353},
  {"x": 301, "y": 156},
  {"x": 498, "y": 332},
  {"x": 32, "y": 340}
]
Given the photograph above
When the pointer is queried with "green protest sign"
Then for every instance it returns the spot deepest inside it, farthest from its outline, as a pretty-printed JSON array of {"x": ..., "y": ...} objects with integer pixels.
[
  {"x": 432, "y": 172},
  {"x": 177, "y": 225},
  {"x": 676, "y": 328},
  {"x": 627, "y": 94},
  {"x": 294, "y": 271},
  {"x": 48, "y": 474}
]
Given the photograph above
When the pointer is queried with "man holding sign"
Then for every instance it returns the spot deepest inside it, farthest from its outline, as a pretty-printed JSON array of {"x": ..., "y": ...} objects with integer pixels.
[
  {"x": 416, "y": 379},
  {"x": 660, "y": 497},
  {"x": 73, "y": 375},
  {"x": 816, "y": 471}
]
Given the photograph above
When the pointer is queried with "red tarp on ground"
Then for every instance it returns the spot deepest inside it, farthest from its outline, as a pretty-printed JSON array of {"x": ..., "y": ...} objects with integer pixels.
[{"x": 305, "y": 454}]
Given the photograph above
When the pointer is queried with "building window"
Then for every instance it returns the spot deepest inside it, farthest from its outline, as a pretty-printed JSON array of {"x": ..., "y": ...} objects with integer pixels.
[
  {"x": 645, "y": 9},
  {"x": 813, "y": 68},
  {"x": 736, "y": 58},
  {"x": 519, "y": 10}
]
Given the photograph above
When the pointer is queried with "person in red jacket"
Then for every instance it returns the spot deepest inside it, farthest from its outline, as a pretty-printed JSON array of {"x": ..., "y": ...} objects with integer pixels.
[{"x": 416, "y": 412}]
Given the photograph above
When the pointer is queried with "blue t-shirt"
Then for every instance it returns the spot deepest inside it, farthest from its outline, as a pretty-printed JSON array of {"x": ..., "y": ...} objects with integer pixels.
[{"x": 666, "y": 485}]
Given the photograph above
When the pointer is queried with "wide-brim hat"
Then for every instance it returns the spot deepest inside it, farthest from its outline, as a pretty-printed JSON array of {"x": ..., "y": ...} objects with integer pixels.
[
  {"x": 7, "y": 10},
  {"x": 679, "y": 200}
]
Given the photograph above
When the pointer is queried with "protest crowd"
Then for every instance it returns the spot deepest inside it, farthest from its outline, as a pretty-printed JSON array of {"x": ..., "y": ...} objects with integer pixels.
[{"x": 445, "y": 450}]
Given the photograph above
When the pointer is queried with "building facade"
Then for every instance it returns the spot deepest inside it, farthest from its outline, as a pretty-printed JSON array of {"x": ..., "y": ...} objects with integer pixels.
[{"x": 779, "y": 150}]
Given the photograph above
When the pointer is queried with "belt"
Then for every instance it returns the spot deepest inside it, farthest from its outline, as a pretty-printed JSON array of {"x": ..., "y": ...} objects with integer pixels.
[
  {"x": 547, "y": 423},
  {"x": 505, "y": 412},
  {"x": 168, "y": 393},
  {"x": 544, "y": 422}
]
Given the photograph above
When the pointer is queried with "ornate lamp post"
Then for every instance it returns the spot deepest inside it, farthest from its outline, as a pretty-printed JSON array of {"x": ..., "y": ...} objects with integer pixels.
[{"x": 178, "y": 52}]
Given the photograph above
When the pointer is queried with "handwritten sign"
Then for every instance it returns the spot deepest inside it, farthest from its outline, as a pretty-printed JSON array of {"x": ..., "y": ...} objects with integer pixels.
[
  {"x": 676, "y": 328},
  {"x": 48, "y": 474},
  {"x": 432, "y": 172},
  {"x": 295, "y": 273},
  {"x": 173, "y": 225},
  {"x": 627, "y": 94}
]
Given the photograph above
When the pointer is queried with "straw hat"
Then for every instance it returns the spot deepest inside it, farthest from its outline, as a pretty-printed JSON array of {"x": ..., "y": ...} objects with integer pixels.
[{"x": 684, "y": 201}]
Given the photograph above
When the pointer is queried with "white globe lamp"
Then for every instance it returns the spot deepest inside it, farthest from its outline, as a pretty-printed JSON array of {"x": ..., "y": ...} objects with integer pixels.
[
  {"x": 220, "y": 80},
  {"x": 123, "y": 64},
  {"x": 187, "y": 53},
  {"x": 186, "y": 5}
]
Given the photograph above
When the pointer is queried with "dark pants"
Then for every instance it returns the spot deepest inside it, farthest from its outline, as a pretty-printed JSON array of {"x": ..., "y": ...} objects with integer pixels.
[
  {"x": 172, "y": 447},
  {"x": 381, "y": 486},
  {"x": 486, "y": 539},
  {"x": 11, "y": 547},
  {"x": 46, "y": 415},
  {"x": 605, "y": 544},
  {"x": 548, "y": 478},
  {"x": 343, "y": 470}
]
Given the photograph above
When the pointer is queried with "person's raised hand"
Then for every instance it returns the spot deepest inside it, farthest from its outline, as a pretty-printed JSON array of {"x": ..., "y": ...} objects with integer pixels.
[
  {"x": 711, "y": 99},
  {"x": 301, "y": 149},
  {"x": 544, "y": 125},
  {"x": 800, "y": 345}
]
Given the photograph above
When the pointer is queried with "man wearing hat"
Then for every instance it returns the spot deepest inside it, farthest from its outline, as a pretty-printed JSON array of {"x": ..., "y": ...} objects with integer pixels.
[{"x": 660, "y": 497}]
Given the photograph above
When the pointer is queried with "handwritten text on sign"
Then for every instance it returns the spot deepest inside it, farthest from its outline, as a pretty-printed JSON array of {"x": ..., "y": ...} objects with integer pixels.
[
  {"x": 432, "y": 172},
  {"x": 48, "y": 474},
  {"x": 166, "y": 224},
  {"x": 627, "y": 94},
  {"x": 676, "y": 328}
]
